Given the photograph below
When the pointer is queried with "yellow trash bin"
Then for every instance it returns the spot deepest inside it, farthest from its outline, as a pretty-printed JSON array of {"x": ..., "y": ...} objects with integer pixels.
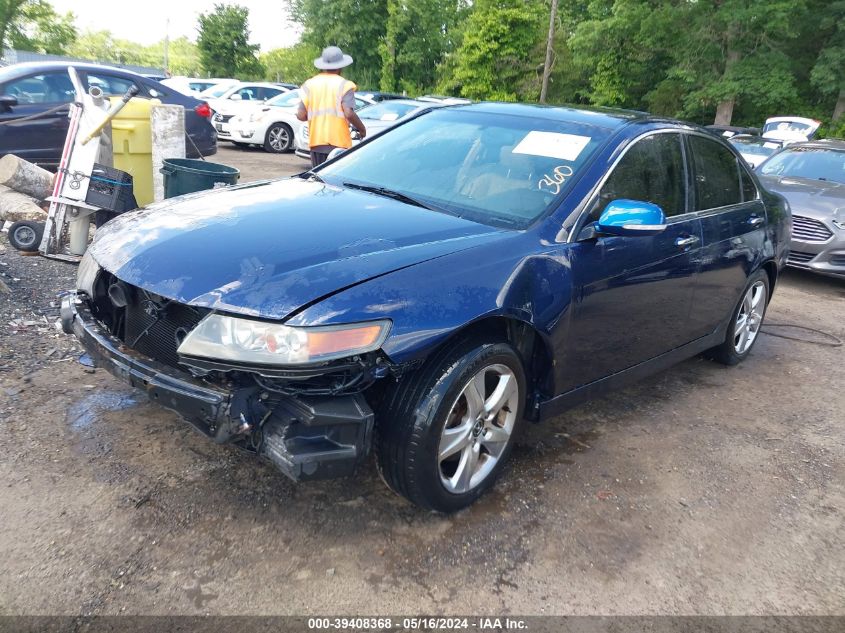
[{"x": 133, "y": 147}]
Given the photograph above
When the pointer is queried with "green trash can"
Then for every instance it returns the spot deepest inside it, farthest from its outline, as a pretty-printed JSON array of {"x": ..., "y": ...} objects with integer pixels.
[{"x": 187, "y": 175}]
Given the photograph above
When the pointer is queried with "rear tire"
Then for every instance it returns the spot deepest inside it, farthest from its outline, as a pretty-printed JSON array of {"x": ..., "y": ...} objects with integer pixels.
[
  {"x": 445, "y": 432},
  {"x": 26, "y": 235},
  {"x": 746, "y": 321}
]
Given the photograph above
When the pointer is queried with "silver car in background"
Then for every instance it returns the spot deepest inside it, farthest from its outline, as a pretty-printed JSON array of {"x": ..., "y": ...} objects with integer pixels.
[{"x": 811, "y": 176}]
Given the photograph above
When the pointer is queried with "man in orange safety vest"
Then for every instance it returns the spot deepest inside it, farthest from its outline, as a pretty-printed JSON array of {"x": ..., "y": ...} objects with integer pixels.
[{"x": 328, "y": 104}]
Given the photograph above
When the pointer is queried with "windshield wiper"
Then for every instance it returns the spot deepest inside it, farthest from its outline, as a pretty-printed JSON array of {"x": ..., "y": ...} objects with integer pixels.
[
  {"x": 310, "y": 175},
  {"x": 390, "y": 193}
]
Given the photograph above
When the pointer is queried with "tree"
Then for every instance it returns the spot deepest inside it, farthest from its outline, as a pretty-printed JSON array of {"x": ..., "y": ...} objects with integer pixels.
[
  {"x": 356, "y": 26},
  {"x": 224, "y": 45},
  {"x": 33, "y": 25},
  {"x": 294, "y": 64},
  {"x": 419, "y": 35},
  {"x": 828, "y": 74},
  {"x": 619, "y": 47},
  {"x": 499, "y": 49}
]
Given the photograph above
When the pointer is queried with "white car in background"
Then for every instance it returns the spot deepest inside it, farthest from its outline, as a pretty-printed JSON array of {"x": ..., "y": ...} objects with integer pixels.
[
  {"x": 193, "y": 86},
  {"x": 241, "y": 97},
  {"x": 271, "y": 125},
  {"x": 362, "y": 100},
  {"x": 790, "y": 129}
]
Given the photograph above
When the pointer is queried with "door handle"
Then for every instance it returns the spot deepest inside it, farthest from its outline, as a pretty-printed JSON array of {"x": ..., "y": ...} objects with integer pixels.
[
  {"x": 756, "y": 220},
  {"x": 684, "y": 242}
]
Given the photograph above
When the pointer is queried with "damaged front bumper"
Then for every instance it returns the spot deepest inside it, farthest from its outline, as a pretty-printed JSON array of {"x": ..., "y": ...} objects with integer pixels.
[{"x": 306, "y": 437}]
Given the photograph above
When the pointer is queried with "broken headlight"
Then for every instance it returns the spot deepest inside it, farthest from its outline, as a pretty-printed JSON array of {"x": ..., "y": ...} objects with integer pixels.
[{"x": 226, "y": 338}]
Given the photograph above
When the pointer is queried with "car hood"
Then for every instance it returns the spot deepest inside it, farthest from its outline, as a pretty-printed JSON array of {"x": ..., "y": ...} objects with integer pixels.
[
  {"x": 268, "y": 249},
  {"x": 807, "y": 196}
]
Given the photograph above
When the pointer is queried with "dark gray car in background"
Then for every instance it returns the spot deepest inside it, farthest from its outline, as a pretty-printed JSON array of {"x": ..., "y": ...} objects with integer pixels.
[
  {"x": 811, "y": 176},
  {"x": 44, "y": 90}
]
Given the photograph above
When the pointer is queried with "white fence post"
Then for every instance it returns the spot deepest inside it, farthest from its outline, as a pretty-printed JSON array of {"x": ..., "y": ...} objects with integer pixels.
[{"x": 167, "y": 123}]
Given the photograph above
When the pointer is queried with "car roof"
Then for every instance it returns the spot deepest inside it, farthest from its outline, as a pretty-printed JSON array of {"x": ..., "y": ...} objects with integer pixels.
[
  {"x": 24, "y": 68},
  {"x": 827, "y": 143},
  {"x": 609, "y": 118}
]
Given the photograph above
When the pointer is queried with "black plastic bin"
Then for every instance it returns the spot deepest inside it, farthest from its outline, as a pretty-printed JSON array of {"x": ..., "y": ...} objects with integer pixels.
[
  {"x": 110, "y": 189},
  {"x": 187, "y": 175}
]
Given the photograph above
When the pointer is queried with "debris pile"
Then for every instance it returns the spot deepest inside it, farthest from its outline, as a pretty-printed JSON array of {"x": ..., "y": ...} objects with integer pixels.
[{"x": 23, "y": 189}]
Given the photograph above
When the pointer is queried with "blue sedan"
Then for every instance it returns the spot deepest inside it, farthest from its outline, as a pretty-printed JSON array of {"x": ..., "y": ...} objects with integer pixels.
[{"x": 427, "y": 292}]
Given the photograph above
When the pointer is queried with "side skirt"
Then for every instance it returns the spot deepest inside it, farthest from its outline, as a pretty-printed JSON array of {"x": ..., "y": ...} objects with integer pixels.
[{"x": 564, "y": 401}]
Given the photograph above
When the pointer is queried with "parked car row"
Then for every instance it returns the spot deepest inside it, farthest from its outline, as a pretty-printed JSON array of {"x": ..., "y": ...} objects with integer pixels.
[{"x": 43, "y": 90}]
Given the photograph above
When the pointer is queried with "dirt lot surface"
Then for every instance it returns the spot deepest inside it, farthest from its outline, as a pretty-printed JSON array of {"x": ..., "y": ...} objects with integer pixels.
[{"x": 704, "y": 489}]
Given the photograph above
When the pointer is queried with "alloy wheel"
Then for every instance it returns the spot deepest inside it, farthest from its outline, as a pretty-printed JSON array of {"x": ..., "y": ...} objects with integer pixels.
[
  {"x": 279, "y": 138},
  {"x": 750, "y": 317},
  {"x": 478, "y": 428}
]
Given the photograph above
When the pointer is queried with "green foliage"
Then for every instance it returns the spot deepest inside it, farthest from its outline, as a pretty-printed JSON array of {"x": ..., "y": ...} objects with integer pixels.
[
  {"x": 356, "y": 26},
  {"x": 419, "y": 35},
  {"x": 102, "y": 46},
  {"x": 33, "y": 25},
  {"x": 294, "y": 64},
  {"x": 828, "y": 74},
  {"x": 224, "y": 45},
  {"x": 499, "y": 49}
]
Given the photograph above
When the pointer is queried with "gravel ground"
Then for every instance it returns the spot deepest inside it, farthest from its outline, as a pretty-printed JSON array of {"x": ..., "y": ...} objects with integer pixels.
[{"x": 702, "y": 490}]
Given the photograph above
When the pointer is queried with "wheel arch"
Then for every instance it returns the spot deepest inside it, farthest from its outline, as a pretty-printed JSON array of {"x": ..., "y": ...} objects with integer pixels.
[{"x": 534, "y": 349}]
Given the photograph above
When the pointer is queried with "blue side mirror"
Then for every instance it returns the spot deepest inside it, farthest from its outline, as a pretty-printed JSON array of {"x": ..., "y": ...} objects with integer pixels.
[{"x": 631, "y": 217}]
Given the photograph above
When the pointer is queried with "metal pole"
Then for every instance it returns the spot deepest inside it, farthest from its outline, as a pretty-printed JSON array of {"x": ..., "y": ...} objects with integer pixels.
[
  {"x": 547, "y": 67},
  {"x": 167, "y": 46}
]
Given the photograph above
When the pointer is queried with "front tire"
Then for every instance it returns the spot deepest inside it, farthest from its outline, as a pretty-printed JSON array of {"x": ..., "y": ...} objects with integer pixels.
[
  {"x": 445, "y": 432},
  {"x": 279, "y": 139},
  {"x": 746, "y": 321}
]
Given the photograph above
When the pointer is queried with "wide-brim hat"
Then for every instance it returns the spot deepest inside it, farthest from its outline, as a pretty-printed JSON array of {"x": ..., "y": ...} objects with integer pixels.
[{"x": 332, "y": 59}]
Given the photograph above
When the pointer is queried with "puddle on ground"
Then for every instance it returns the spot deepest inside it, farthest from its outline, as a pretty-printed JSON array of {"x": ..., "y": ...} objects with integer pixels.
[{"x": 85, "y": 411}]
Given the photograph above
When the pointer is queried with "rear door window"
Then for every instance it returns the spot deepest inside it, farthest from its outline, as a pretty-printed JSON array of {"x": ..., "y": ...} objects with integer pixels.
[
  {"x": 717, "y": 174},
  {"x": 652, "y": 170},
  {"x": 111, "y": 85},
  {"x": 749, "y": 189}
]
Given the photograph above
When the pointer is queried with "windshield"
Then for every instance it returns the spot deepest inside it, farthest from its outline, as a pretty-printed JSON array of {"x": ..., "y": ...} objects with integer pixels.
[
  {"x": 495, "y": 169},
  {"x": 386, "y": 111},
  {"x": 285, "y": 100},
  {"x": 807, "y": 162},
  {"x": 218, "y": 90}
]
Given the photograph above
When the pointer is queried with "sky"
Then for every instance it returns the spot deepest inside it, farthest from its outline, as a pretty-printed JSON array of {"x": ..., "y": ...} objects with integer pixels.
[{"x": 145, "y": 21}]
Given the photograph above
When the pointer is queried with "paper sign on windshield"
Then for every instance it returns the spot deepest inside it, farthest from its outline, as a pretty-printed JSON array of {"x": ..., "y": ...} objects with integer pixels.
[{"x": 552, "y": 145}]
